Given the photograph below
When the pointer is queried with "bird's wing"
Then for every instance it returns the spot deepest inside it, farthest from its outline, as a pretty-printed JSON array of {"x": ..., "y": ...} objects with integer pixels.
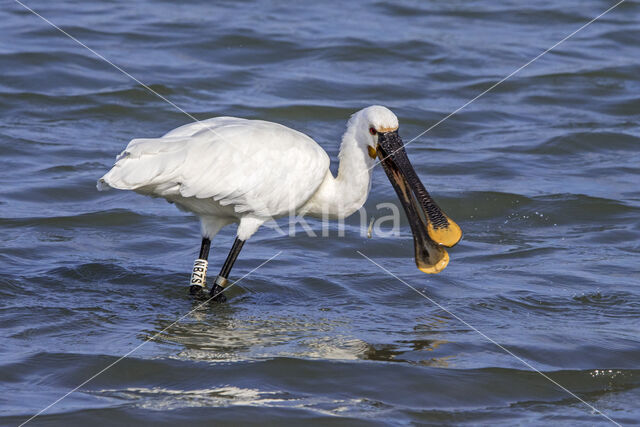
[
  {"x": 192, "y": 128},
  {"x": 258, "y": 167}
]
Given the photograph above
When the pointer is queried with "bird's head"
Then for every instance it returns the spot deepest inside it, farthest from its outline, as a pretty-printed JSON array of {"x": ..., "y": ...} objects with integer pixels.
[{"x": 432, "y": 229}]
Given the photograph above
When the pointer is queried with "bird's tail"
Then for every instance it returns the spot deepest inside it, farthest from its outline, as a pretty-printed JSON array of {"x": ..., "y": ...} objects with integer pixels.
[
  {"x": 102, "y": 185},
  {"x": 144, "y": 164}
]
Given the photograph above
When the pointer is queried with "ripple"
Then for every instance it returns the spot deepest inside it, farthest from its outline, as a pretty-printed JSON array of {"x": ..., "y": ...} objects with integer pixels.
[
  {"x": 113, "y": 217},
  {"x": 541, "y": 173},
  {"x": 585, "y": 142}
]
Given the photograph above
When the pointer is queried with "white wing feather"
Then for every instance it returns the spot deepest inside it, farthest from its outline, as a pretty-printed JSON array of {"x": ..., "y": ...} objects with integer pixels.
[{"x": 256, "y": 167}]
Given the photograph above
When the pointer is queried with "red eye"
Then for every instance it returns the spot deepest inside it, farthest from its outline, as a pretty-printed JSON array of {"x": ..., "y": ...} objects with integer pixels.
[{"x": 372, "y": 131}]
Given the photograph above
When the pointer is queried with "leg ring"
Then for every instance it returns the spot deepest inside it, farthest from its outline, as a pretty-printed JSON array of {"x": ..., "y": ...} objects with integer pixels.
[{"x": 221, "y": 281}]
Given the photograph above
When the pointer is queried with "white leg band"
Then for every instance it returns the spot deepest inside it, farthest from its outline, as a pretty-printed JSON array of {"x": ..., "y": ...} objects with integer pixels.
[{"x": 199, "y": 273}]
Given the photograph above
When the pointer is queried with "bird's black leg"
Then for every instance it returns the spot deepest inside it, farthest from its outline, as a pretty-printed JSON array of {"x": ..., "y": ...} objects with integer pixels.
[
  {"x": 223, "y": 278},
  {"x": 199, "y": 272}
]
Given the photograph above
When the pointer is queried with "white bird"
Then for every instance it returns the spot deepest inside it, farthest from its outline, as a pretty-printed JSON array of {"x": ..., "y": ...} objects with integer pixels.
[{"x": 231, "y": 170}]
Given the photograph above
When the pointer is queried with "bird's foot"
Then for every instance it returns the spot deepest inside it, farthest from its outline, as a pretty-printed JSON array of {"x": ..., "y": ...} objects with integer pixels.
[
  {"x": 217, "y": 294},
  {"x": 198, "y": 292}
]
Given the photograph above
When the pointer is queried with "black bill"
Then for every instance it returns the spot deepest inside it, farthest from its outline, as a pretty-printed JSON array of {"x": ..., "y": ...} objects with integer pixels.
[{"x": 432, "y": 228}]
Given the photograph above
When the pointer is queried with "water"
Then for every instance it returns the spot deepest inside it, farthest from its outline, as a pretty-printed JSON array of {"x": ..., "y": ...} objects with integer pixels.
[{"x": 541, "y": 173}]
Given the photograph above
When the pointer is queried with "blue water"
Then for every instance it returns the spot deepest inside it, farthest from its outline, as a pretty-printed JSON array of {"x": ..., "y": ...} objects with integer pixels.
[{"x": 541, "y": 173}]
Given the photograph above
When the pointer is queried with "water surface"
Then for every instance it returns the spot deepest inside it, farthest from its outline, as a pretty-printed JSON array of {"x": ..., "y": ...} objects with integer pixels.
[{"x": 541, "y": 173}]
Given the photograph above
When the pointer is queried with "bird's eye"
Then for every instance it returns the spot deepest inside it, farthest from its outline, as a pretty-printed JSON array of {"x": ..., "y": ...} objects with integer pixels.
[{"x": 372, "y": 131}]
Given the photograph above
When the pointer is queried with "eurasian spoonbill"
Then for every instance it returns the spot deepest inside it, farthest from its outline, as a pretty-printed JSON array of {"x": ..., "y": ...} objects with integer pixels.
[{"x": 232, "y": 170}]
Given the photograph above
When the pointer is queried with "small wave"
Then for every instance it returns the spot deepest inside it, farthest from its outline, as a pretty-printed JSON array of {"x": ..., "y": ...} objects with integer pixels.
[
  {"x": 583, "y": 142},
  {"x": 111, "y": 217}
]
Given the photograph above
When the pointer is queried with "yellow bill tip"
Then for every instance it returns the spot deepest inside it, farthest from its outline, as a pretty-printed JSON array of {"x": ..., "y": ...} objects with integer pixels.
[
  {"x": 439, "y": 265},
  {"x": 446, "y": 236}
]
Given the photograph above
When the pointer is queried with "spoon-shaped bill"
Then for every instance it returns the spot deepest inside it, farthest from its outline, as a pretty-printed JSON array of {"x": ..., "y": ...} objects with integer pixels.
[{"x": 431, "y": 227}]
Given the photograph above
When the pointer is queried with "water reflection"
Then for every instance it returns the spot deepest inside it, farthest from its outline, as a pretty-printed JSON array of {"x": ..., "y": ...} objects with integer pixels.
[{"x": 244, "y": 331}]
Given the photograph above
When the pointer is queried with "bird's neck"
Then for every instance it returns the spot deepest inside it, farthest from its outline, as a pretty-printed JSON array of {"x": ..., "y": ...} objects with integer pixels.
[{"x": 343, "y": 195}]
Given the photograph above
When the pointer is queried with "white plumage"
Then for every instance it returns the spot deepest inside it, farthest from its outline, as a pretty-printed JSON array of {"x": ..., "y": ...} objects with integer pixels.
[{"x": 229, "y": 170}]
